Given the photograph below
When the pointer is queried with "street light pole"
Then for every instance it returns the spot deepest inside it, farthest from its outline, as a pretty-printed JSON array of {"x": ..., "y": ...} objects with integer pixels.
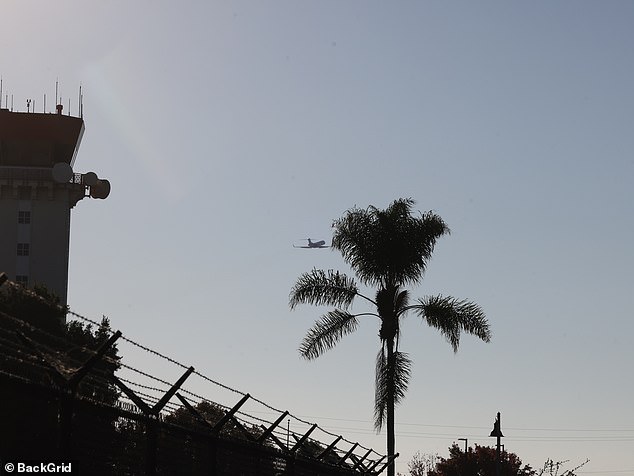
[
  {"x": 465, "y": 443},
  {"x": 497, "y": 432}
]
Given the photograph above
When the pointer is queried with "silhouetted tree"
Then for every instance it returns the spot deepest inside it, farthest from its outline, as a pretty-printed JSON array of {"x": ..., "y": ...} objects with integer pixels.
[
  {"x": 422, "y": 464},
  {"x": 212, "y": 413},
  {"x": 388, "y": 250},
  {"x": 39, "y": 307},
  {"x": 480, "y": 461},
  {"x": 38, "y": 315},
  {"x": 558, "y": 468}
]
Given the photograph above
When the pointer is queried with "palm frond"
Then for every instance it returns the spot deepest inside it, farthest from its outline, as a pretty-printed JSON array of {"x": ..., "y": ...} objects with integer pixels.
[
  {"x": 388, "y": 247},
  {"x": 400, "y": 378},
  {"x": 452, "y": 316},
  {"x": 320, "y": 287},
  {"x": 327, "y": 332},
  {"x": 401, "y": 302}
]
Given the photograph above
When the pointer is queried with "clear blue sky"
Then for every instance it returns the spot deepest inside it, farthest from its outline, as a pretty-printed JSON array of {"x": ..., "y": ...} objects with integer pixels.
[{"x": 230, "y": 130}]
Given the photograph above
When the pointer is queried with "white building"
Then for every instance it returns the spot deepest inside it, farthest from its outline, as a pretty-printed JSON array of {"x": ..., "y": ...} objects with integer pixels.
[{"x": 38, "y": 188}]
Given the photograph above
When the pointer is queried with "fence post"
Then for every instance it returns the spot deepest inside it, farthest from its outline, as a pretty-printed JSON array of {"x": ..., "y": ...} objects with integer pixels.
[
  {"x": 151, "y": 443},
  {"x": 152, "y": 417}
]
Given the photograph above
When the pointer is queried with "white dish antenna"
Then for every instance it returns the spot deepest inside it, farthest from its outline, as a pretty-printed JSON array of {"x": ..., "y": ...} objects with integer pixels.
[{"x": 62, "y": 172}]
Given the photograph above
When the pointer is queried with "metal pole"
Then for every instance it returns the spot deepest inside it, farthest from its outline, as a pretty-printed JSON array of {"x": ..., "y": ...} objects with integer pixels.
[
  {"x": 497, "y": 432},
  {"x": 497, "y": 458},
  {"x": 465, "y": 443}
]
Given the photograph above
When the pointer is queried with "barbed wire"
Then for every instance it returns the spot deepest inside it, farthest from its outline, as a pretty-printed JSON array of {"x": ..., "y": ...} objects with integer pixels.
[
  {"x": 33, "y": 362},
  {"x": 102, "y": 380},
  {"x": 212, "y": 381}
]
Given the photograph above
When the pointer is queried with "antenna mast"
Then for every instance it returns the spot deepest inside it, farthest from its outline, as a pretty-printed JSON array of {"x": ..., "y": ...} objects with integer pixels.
[{"x": 81, "y": 103}]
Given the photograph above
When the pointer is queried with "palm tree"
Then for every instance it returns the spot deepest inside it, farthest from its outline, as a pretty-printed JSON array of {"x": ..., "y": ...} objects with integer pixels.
[{"x": 388, "y": 250}]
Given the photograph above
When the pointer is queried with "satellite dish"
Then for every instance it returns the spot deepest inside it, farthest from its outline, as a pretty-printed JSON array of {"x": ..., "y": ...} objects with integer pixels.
[
  {"x": 100, "y": 190},
  {"x": 90, "y": 179},
  {"x": 62, "y": 172}
]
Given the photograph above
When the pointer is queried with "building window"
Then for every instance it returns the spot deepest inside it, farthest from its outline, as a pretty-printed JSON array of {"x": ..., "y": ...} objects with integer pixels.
[
  {"x": 22, "y": 280},
  {"x": 23, "y": 249},
  {"x": 24, "y": 218}
]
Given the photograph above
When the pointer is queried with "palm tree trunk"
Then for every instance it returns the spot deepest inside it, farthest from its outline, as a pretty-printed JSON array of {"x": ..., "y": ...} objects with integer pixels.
[{"x": 391, "y": 364}]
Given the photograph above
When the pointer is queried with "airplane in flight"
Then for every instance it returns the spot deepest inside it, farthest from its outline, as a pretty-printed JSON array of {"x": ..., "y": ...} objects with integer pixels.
[{"x": 314, "y": 244}]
